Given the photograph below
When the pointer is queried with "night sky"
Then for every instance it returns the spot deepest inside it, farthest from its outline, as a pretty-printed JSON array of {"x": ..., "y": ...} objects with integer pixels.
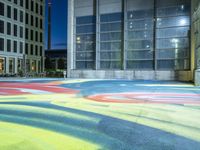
[{"x": 59, "y": 24}]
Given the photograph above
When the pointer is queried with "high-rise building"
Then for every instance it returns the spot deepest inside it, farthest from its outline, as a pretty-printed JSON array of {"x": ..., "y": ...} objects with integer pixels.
[
  {"x": 196, "y": 39},
  {"x": 133, "y": 39},
  {"x": 21, "y": 36}
]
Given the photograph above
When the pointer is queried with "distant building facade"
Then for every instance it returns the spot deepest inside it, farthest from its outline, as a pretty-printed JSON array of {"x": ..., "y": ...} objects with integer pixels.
[
  {"x": 21, "y": 36},
  {"x": 56, "y": 59},
  {"x": 131, "y": 39}
]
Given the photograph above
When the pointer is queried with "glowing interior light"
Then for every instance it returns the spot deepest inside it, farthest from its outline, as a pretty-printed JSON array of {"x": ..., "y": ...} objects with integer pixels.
[
  {"x": 183, "y": 22},
  {"x": 78, "y": 38},
  {"x": 175, "y": 40}
]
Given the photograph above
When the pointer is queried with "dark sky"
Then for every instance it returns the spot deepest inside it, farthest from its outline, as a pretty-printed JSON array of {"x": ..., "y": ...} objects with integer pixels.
[{"x": 59, "y": 24}]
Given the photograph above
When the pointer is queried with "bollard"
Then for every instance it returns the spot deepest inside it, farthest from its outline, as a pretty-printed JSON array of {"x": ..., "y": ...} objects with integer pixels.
[{"x": 64, "y": 74}]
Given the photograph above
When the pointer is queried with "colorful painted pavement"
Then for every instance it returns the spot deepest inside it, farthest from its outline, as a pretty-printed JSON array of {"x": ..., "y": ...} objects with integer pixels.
[{"x": 50, "y": 114}]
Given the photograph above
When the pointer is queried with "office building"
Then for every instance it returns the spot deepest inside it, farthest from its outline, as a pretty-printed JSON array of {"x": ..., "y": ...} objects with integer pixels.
[
  {"x": 21, "y": 36},
  {"x": 131, "y": 39}
]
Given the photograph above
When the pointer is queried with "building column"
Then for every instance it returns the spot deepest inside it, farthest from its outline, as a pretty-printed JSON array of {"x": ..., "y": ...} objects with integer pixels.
[
  {"x": 15, "y": 65},
  {"x": 7, "y": 65},
  {"x": 125, "y": 34},
  {"x": 97, "y": 57},
  {"x": 37, "y": 68},
  {"x": 30, "y": 66},
  {"x": 197, "y": 71},
  {"x": 24, "y": 68},
  {"x": 196, "y": 24},
  {"x": 70, "y": 42}
]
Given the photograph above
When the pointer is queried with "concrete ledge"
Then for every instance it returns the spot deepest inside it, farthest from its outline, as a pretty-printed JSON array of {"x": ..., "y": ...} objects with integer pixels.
[
  {"x": 131, "y": 75},
  {"x": 197, "y": 77}
]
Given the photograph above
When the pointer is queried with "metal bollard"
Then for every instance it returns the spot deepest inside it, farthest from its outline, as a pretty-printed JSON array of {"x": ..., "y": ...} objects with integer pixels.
[{"x": 64, "y": 74}]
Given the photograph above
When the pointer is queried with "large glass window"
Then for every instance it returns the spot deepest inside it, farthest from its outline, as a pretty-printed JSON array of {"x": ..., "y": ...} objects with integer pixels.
[
  {"x": 21, "y": 32},
  {"x": 19, "y": 65},
  {"x": 26, "y": 48},
  {"x": 2, "y": 65},
  {"x": 41, "y": 10},
  {"x": 32, "y": 5},
  {"x": 8, "y": 28},
  {"x": 27, "y": 33},
  {"x": 1, "y": 44},
  {"x": 85, "y": 42},
  {"x": 21, "y": 49},
  {"x": 1, "y": 9},
  {"x": 1, "y": 26},
  {"x": 15, "y": 29},
  {"x": 21, "y": 3},
  {"x": 21, "y": 16},
  {"x": 111, "y": 41},
  {"x": 15, "y": 14},
  {"x": 27, "y": 4},
  {"x": 11, "y": 65},
  {"x": 41, "y": 24},
  {"x": 9, "y": 11},
  {"x": 33, "y": 65},
  {"x": 27, "y": 18},
  {"x": 172, "y": 35},
  {"x": 139, "y": 45},
  {"x": 8, "y": 45},
  {"x": 15, "y": 46}
]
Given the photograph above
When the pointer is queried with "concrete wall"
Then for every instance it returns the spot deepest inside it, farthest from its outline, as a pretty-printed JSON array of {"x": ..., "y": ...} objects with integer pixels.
[{"x": 129, "y": 74}]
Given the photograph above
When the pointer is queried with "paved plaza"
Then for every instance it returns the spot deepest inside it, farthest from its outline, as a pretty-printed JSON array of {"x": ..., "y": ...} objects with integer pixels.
[{"x": 77, "y": 114}]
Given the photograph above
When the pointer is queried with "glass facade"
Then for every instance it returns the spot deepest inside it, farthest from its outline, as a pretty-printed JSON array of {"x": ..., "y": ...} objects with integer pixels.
[
  {"x": 140, "y": 29},
  {"x": 172, "y": 36},
  {"x": 154, "y": 36},
  {"x": 111, "y": 41},
  {"x": 85, "y": 42}
]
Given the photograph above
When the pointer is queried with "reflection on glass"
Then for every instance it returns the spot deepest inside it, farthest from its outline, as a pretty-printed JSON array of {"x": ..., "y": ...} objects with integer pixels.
[
  {"x": 111, "y": 38},
  {"x": 140, "y": 23},
  {"x": 85, "y": 39},
  {"x": 172, "y": 37}
]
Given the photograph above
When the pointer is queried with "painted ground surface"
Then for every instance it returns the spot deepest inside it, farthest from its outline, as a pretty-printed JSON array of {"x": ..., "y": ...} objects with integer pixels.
[{"x": 99, "y": 115}]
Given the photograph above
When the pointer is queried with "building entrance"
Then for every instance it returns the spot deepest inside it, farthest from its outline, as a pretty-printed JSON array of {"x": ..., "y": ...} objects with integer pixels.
[{"x": 2, "y": 65}]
